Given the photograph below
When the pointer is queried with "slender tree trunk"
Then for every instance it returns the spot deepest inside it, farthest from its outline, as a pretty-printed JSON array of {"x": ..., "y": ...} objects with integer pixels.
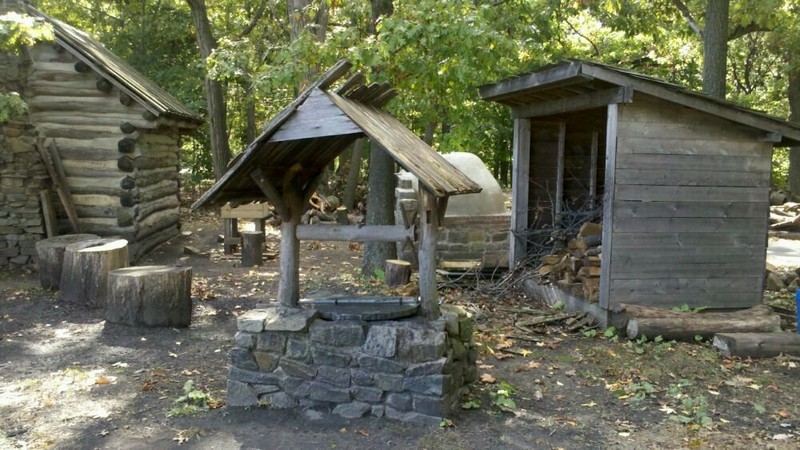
[
  {"x": 250, "y": 104},
  {"x": 215, "y": 95},
  {"x": 715, "y": 48},
  {"x": 353, "y": 171},
  {"x": 794, "y": 152},
  {"x": 380, "y": 195}
]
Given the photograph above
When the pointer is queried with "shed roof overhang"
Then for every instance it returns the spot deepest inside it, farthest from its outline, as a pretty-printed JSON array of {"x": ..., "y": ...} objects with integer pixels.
[
  {"x": 315, "y": 128},
  {"x": 577, "y": 85}
]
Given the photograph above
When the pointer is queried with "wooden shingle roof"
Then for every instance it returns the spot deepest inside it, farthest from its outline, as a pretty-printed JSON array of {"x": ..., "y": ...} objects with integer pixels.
[
  {"x": 555, "y": 85},
  {"x": 320, "y": 124},
  {"x": 121, "y": 74}
]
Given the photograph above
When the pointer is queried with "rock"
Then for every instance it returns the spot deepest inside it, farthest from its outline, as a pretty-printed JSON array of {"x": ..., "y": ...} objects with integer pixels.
[
  {"x": 326, "y": 393},
  {"x": 240, "y": 394},
  {"x": 388, "y": 382},
  {"x": 290, "y": 319},
  {"x": 278, "y": 400},
  {"x": 399, "y": 401},
  {"x": 253, "y": 321},
  {"x": 297, "y": 369},
  {"x": 249, "y": 376},
  {"x": 329, "y": 357},
  {"x": 381, "y": 341},
  {"x": 774, "y": 282},
  {"x": 427, "y": 368},
  {"x": 375, "y": 364},
  {"x": 337, "y": 334},
  {"x": 362, "y": 377},
  {"x": 242, "y": 358},
  {"x": 429, "y": 406},
  {"x": 378, "y": 410},
  {"x": 267, "y": 361},
  {"x": 298, "y": 350},
  {"x": 244, "y": 340},
  {"x": 335, "y": 376},
  {"x": 271, "y": 341},
  {"x": 430, "y": 384},
  {"x": 194, "y": 251},
  {"x": 367, "y": 394},
  {"x": 352, "y": 410},
  {"x": 412, "y": 417}
]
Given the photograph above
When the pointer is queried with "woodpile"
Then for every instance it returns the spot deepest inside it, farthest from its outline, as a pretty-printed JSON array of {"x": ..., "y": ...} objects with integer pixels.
[
  {"x": 576, "y": 269},
  {"x": 785, "y": 217}
]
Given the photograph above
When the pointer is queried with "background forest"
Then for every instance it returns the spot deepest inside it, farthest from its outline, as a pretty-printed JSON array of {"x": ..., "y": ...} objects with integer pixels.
[{"x": 253, "y": 56}]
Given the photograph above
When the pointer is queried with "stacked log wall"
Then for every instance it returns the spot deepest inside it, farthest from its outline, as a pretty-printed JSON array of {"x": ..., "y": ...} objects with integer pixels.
[
  {"x": 690, "y": 210},
  {"x": 121, "y": 165}
]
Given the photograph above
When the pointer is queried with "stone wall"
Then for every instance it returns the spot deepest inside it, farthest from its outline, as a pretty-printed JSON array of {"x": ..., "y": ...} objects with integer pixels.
[
  {"x": 411, "y": 369},
  {"x": 481, "y": 238},
  {"x": 22, "y": 176}
]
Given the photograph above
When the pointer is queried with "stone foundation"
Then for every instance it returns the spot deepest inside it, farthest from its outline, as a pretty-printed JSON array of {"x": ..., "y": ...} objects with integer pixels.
[
  {"x": 476, "y": 238},
  {"x": 412, "y": 369}
]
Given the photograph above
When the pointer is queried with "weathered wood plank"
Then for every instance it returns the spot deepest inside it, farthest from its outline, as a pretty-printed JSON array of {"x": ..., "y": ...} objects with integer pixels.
[
  {"x": 688, "y": 239},
  {"x": 681, "y": 270},
  {"x": 625, "y": 224},
  {"x": 428, "y": 231},
  {"x": 690, "y": 193},
  {"x": 367, "y": 233},
  {"x": 686, "y": 177},
  {"x": 634, "y": 209},
  {"x": 564, "y": 75},
  {"x": 728, "y": 300},
  {"x": 663, "y": 257},
  {"x": 683, "y": 129},
  {"x": 679, "y": 286},
  {"x": 682, "y": 162},
  {"x": 318, "y": 117},
  {"x": 723, "y": 146}
]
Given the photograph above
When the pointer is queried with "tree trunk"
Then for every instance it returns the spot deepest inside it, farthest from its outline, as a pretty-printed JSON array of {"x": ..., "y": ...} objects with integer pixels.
[
  {"x": 84, "y": 279},
  {"x": 352, "y": 174},
  {"x": 252, "y": 248},
  {"x": 398, "y": 272},
  {"x": 686, "y": 328},
  {"x": 50, "y": 257},
  {"x": 380, "y": 208},
  {"x": 715, "y": 48},
  {"x": 215, "y": 96},
  {"x": 380, "y": 8},
  {"x": 757, "y": 345},
  {"x": 794, "y": 152},
  {"x": 154, "y": 296}
]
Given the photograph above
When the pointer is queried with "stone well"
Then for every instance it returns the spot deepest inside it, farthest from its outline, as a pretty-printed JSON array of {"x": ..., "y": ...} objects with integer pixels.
[{"x": 408, "y": 369}]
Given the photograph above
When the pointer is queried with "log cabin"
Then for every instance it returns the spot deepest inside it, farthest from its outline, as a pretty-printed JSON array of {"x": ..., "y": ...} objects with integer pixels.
[
  {"x": 683, "y": 181},
  {"x": 98, "y": 150}
]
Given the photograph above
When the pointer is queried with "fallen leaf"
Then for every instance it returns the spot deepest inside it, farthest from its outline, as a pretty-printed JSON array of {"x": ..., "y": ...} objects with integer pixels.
[
  {"x": 363, "y": 432},
  {"x": 488, "y": 378},
  {"x": 570, "y": 373},
  {"x": 486, "y": 366},
  {"x": 525, "y": 352},
  {"x": 505, "y": 343},
  {"x": 148, "y": 385},
  {"x": 591, "y": 404},
  {"x": 782, "y": 437},
  {"x": 534, "y": 364},
  {"x": 343, "y": 430},
  {"x": 103, "y": 380},
  {"x": 666, "y": 409},
  {"x": 503, "y": 356},
  {"x": 158, "y": 373},
  {"x": 754, "y": 386},
  {"x": 173, "y": 355}
]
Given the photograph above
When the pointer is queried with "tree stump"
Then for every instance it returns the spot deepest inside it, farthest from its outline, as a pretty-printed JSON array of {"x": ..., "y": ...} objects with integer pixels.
[
  {"x": 396, "y": 272},
  {"x": 153, "y": 296},
  {"x": 50, "y": 257},
  {"x": 84, "y": 278},
  {"x": 252, "y": 248}
]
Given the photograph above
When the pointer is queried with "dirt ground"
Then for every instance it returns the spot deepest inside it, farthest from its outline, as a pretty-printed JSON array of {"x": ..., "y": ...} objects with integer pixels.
[{"x": 70, "y": 380}]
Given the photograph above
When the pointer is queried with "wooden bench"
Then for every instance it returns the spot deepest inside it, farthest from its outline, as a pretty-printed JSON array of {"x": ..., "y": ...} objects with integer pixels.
[{"x": 257, "y": 212}]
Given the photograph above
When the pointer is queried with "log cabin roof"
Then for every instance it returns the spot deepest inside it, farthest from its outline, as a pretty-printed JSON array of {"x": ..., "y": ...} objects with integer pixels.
[
  {"x": 121, "y": 74},
  {"x": 576, "y": 85},
  {"x": 320, "y": 124}
]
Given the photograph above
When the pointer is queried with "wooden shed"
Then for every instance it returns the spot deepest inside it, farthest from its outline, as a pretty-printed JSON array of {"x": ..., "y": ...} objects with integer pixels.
[
  {"x": 683, "y": 178},
  {"x": 284, "y": 164},
  {"x": 99, "y": 146}
]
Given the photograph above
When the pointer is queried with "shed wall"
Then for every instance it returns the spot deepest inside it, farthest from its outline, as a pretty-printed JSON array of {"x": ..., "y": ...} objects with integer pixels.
[{"x": 690, "y": 209}]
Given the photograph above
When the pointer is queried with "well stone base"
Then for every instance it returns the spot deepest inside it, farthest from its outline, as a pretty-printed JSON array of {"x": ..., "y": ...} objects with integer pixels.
[{"x": 412, "y": 369}]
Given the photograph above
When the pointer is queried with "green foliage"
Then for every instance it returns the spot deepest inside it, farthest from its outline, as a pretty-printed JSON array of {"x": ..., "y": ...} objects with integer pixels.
[
  {"x": 18, "y": 31},
  {"x": 471, "y": 404},
  {"x": 688, "y": 309},
  {"x": 694, "y": 413},
  {"x": 192, "y": 401},
  {"x": 501, "y": 397}
]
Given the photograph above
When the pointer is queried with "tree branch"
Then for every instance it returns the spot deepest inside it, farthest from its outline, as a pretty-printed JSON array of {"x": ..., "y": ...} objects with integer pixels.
[
  {"x": 259, "y": 13},
  {"x": 742, "y": 30},
  {"x": 688, "y": 16}
]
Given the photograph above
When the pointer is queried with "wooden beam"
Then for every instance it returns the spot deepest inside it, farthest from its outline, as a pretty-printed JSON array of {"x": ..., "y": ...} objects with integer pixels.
[
  {"x": 368, "y": 233},
  {"x": 52, "y": 161},
  {"x": 519, "y": 194},
  {"x": 596, "y": 99},
  {"x": 559, "y": 200},
  {"x": 271, "y": 192},
  {"x": 562, "y": 74},
  {"x": 442, "y": 207},
  {"x": 50, "y": 222},
  {"x": 593, "y": 169},
  {"x": 612, "y": 121},
  {"x": 428, "y": 230},
  {"x": 771, "y": 137}
]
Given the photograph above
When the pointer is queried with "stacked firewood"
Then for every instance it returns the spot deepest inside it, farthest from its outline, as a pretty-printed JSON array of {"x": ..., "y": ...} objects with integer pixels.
[
  {"x": 576, "y": 268},
  {"x": 785, "y": 217}
]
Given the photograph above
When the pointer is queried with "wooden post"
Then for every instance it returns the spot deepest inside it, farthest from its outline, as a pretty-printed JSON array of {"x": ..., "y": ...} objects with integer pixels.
[
  {"x": 519, "y": 194},
  {"x": 231, "y": 236},
  {"x": 289, "y": 283},
  {"x": 396, "y": 272},
  {"x": 559, "y": 200},
  {"x": 608, "y": 205},
  {"x": 252, "y": 248},
  {"x": 428, "y": 230},
  {"x": 593, "y": 169}
]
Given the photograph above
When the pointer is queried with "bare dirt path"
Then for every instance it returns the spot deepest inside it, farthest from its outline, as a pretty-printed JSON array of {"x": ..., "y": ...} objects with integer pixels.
[{"x": 70, "y": 380}]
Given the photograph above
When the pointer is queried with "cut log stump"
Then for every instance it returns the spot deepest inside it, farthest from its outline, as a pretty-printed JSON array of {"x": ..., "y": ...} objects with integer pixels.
[
  {"x": 757, "y": 345},
  {"x": 84, "y": 279},
  {"x": 397, "y": 272},
  {"x": 153, "y": 296},
  {"x": 50, "y": 257},
  {"x": 691, "y": 325},
  {"x": 252, "y": 248}
]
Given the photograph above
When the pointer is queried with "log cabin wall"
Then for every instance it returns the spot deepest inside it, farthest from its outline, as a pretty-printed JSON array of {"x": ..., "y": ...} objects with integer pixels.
[
  {"x": 121, "y": 163},
  {"x": 688, "y": 212}
]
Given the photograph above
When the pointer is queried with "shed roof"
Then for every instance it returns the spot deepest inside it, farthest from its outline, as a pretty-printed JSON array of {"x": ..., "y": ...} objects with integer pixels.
[
  {"x": 552, "y": 86},
  {"x": 320, "y": 124},
  {"x": 121, "y": 74}
]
